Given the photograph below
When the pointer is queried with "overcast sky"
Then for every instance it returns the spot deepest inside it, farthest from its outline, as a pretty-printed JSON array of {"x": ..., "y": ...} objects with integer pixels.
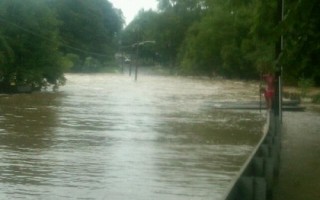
[{"x": 131, "y": 7}]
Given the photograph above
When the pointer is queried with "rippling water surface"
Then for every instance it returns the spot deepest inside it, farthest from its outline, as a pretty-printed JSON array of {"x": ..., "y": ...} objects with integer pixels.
[{"x": 108, "y": 137}]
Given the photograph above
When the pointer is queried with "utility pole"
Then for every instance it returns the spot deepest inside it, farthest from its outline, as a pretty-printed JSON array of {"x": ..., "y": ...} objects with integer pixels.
[
  {"x": 138, "y": 44},
  {"x": 278, "y": 74},
  {"x": 137, "y": 63}
]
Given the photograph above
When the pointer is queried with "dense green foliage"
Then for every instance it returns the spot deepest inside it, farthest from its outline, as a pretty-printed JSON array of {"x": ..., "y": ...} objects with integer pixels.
[
  {"x": 237, "y": 39},
  {"x": 39, "y": 40},
  {"x": 224, "y": 47},
  {"x": 301, "y": 29},
  {"x": 167, "y": 28},
  {"x": 89, "y": 31},
  {"x": 28, "y": 58}
]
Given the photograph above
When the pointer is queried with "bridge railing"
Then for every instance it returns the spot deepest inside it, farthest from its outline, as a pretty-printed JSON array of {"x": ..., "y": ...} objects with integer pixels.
[{"x": 256, "y": 178}]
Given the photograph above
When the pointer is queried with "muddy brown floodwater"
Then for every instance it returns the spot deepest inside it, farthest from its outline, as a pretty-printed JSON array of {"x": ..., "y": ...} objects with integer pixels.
[{"x": 108, "y": 137}]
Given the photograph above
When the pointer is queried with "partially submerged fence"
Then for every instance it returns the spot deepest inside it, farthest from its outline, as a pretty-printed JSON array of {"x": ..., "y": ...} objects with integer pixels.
[{"x": 256, "y": 178}]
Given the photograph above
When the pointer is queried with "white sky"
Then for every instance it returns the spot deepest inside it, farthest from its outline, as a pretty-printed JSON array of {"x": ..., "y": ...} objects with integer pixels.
[{"x": 130, "y": 8}]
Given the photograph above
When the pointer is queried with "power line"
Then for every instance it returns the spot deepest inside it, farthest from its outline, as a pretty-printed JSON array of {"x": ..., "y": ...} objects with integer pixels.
[{"x": 49, "y": 40}]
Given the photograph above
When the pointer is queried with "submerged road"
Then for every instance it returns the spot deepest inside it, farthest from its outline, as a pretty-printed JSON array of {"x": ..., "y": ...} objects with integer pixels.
[
  {"x": 105, "y": 136},
  {"x": 299, "y": 169}
]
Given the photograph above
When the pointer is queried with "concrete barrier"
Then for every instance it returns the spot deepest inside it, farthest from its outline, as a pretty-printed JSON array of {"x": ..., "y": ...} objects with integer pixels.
[{"x": 256, "y": 178}]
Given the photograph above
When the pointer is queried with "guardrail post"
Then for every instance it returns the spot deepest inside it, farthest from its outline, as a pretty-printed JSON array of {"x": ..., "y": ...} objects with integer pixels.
[
  {"x": 252, "y": 188},
  {"x": 258, "y": 166},
  {"x": 260, "y": 189},
  {"x": 245, "y": 188},
  {"x": 275, "y": 155},
  {"x": 255, "y": 182},
  {"x": 269, "y": 172}
]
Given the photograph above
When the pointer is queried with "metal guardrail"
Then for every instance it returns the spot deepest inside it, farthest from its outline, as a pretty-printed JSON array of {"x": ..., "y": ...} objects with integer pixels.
[{"x": 256, "y": 178}]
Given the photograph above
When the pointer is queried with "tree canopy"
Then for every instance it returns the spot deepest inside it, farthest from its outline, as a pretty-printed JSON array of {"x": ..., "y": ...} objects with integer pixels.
[
  {"x": 40, "y": 39},
  {"x": 236, "y": 39},
  {"x": 301, "y": 29},
  {"x": 90, "y": 30},
  {"x": 30, "y": 54}
]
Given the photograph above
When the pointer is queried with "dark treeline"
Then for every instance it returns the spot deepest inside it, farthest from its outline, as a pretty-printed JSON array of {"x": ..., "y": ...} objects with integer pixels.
[
  {"x": 234, "y": 39},
  {"x": 40, "y": 40}
]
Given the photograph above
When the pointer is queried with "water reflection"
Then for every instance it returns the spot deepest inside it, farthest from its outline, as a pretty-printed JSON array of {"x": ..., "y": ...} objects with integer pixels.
[
  {"x": 27, "y": 121},
  {"x": 107, "y": 137}
]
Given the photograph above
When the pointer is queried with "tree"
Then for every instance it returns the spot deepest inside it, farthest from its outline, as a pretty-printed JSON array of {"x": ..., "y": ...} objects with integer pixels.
[
  {"x": 300, "y": 29},
  {"x": 302, "y": 41},
  {"x": 29, "y": 33},
  {"x": 6, "y": 53},
  {"x": 221, "y": 42},
  {"x": 167, "y": 27},
  {"x": 89, "y": 29}
]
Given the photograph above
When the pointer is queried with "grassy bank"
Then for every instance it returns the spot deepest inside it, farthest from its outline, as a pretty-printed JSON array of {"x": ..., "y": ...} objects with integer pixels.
[
  {"x": 310, "y": 98},
  {"x": 312, "y": 95}
]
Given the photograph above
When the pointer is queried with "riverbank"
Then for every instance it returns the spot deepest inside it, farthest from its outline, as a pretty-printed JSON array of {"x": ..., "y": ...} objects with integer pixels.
[
  {"x": 299, "y": 170},
  {"x": 312, "y": 95}
]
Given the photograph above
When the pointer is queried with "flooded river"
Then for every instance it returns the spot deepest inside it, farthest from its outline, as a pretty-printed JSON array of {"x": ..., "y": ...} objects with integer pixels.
[{"x": 108, "y": 137}]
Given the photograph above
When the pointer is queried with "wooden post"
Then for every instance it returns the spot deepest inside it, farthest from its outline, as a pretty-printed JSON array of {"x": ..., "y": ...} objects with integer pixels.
[{"x": 137, "y": 56}]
